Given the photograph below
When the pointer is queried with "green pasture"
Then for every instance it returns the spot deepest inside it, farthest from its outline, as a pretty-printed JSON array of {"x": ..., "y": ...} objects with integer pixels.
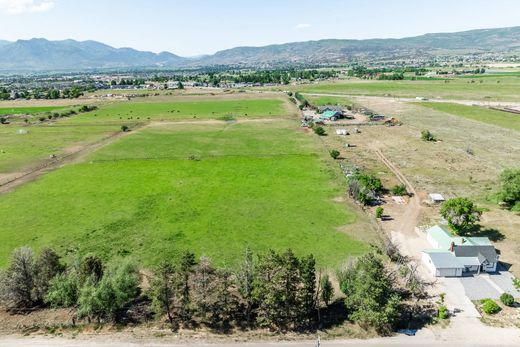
[
  {"x": 30, "y": 110},
  {"x": 212, "y": 189},
  {"x": 455, "y": 88}
]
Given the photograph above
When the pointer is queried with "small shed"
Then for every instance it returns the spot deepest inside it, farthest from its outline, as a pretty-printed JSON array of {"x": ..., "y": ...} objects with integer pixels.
[
  {"x": 341, "y": 132},
  {"x": 436, "y": 198}
]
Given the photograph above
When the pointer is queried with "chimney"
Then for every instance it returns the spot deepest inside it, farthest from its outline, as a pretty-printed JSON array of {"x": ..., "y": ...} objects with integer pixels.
[{"x": 452, "y": 246}]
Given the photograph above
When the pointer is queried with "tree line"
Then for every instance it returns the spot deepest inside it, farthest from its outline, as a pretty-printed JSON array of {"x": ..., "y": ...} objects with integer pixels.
[{"x": 275, "y": 290}]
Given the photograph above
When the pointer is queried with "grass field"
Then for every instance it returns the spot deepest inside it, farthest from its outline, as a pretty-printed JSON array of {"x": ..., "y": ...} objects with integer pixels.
[
  {"x": 481, "y": 114},
  {"x": 456, "y": 88},
  {"x": 29, "y": 110},
  {"x": 262, "y": 184},
  {"x": 328, "y": 100},
  {"x": 163, "y": 108},
  {"x": 18, "y": 150}
]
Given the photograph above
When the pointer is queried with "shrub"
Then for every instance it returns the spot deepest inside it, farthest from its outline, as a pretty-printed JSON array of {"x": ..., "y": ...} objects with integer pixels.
[
  {"x": 379, "y": 212},
  {"x": 399, "y": 190},
  {"x": 426, "y": 135},
  {"x": 507, "y": 299},
  {"x": 320, "y": 131},
  {"x": 442, "y": 312},
  {"x": 334, "y": 154},
  {"x": 125, "y": 128},
  {"x": 489, "y": 306}
]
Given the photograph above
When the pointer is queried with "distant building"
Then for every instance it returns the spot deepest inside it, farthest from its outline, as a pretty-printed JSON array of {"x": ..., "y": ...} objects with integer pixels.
[
  {"x": 325, "y": 108},
  {"x": 331, "y": 115}
]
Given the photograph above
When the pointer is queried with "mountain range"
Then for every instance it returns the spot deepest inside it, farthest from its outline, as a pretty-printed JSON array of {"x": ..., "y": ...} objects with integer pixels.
[{"x": 44, "y": 55}]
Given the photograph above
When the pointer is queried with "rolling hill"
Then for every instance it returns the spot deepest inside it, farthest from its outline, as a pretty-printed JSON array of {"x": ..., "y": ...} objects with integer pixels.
[{"x": 41, "y": 54}]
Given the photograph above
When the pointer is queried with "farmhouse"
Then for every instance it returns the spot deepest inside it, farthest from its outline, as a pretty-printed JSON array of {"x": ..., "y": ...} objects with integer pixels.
[
  {"x": 331, "y": 115},
  {"x": 326, "y": 108},
  {"x": 453, "y": 256}
]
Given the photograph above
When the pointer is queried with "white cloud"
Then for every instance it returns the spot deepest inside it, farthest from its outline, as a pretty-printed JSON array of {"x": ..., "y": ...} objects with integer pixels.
[
  {"x": 302, "y": 26},
  {"x": 25, "y": 6}
]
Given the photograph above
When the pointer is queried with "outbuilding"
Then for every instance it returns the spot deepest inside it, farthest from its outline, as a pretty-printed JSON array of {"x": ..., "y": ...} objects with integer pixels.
[{"x": 436, "y": 198}]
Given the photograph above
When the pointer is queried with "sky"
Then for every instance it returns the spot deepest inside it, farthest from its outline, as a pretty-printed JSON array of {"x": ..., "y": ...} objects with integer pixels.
[{"x": 195, "y": 27}]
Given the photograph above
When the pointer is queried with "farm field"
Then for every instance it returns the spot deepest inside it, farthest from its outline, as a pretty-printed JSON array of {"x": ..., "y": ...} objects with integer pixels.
[
  {"x": 480, "y": 114},
  {"x": 328, "y": 100},
  {"x": 171, "y": 108},
  {"x": 19, "y": 149},
  {"x": 29, "y": 110},
  {"x": 456, "y": 88},
  {"x": 211, "y": 188},
  {"x": 29, "y": 145}
]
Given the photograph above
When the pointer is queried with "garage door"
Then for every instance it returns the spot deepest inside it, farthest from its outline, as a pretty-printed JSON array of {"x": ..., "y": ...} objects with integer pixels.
[{"x": 449, "y": 272}]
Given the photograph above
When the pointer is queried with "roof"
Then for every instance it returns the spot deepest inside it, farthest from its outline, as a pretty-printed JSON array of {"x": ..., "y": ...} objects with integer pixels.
[
  {"x": 331, "y": 108},
  {"x": 329, "y": 114},
  {"x": 444, "y": 260},
  {"x": 481, "y": 252},
  {"x": 436, "y": 197},
  {"x": 470, "y": 261},
  {"x": 444, "y": 238}
]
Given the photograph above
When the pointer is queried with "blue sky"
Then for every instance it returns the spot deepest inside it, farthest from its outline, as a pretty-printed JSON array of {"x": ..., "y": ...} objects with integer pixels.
[{"x": 193, "y": 27}]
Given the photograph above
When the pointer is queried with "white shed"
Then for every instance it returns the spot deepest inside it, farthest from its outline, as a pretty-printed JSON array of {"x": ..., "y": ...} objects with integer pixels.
[
  {"x": 436, "y": 198},
  {"x": 341, "y": 132}
]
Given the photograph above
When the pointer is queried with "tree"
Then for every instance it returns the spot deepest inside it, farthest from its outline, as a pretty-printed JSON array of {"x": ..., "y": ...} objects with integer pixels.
[
  {"x": 334, "y": 154},
  {"x": 118, "y": 287},
  {"x": 461, "y": 214},
  {"x": 162, "y": 289},
  {"x": 180, "y": 85},
  {"x": 91, "y": 267},
  {"x": 426, "y": 135},
  {"x": 246, "y": 282},
  {"x": 510, "y": 188},
  {"x": 17, "y": 282},
  {"x": 326, "y": 289},
  {"x": 370, "y": 298},
  {"x": 125, "y": 128},
  {"x": 320, "y": 131},
  {"x": 203, "y": 286},
  {"x": 46, "y": 268},
  {"x": 224, "y": 304},
  {"x": 185, "y": 271},
  {"x": 379, "y": 212},
  {"x": 63, "y": 290},
  {"x": 308, "y": 290}
]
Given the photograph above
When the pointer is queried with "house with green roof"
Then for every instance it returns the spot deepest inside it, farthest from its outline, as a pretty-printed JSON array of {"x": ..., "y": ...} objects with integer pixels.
[
  {"x": 331, "y": 115},
  {"x": 453, "y": 255}
]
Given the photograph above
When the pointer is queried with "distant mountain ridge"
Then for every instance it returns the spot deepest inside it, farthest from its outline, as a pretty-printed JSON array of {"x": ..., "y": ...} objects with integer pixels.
[{"x": 42, "y": 54}]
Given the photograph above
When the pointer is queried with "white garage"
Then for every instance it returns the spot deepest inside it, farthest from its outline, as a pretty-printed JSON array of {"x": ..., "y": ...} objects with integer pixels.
[{"x": 442, "y": 263}]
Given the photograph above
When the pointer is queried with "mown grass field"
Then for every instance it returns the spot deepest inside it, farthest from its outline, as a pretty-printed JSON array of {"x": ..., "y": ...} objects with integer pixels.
[
  {"x": 29, "y": 110},
  {"x": 55, "y": 137},
  {"x": 213, "y": 189},
  {"x": 158, "y": 109},
  {"x": 480, "y": 114},
  {"x": 27, "y": 145},
  {"x": 500, "y": 88}
]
